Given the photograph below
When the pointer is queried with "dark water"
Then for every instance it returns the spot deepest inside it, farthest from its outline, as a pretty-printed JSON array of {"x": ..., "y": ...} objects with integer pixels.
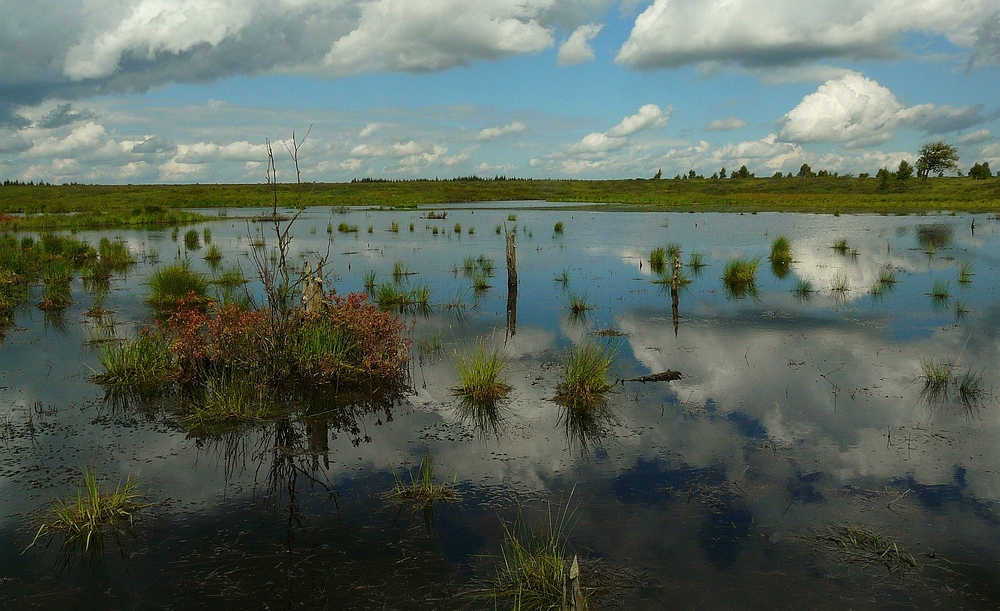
[{"x": 795, "y": 417}]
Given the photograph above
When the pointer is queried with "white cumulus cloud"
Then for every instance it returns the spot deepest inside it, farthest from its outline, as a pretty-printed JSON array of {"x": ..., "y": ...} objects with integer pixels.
[
  {"x": 577, "y": 49},
  {"x": 496, "y": 132},
  {"x": 672, "y": 33},
  {"x": 853, "y": 109}
]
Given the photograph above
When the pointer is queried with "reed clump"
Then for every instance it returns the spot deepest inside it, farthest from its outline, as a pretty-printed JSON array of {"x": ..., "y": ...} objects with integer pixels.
[
  {"x": 172, "y": 284},
  {"x": 739, "y": 277},
  {"x": 482, "y": 374},
  {"x": 83, "y": 520},
  {"x": 534, "y": 567},
  {"x": 585, "y": 375},
  {"x": 422, "y": 488}
]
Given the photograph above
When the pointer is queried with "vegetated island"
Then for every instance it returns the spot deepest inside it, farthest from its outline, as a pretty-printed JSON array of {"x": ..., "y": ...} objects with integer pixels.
[{"x": 104, "y": 205}]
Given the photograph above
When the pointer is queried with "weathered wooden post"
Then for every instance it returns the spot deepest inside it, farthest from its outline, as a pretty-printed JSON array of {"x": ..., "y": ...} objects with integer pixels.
[
  {"x": 312, "y": 287},
  {"x": 576, "y": 600},
  {"x": 511, "y": 284},
  {"x": 675, "y": 286}
]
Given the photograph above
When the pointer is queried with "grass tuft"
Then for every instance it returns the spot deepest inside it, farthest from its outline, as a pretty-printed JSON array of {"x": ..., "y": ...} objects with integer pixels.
[
  {"x": 585, "y": 379},
  {"x": 84, "y": 519},
  {"x": 739, "y": 277},
  {"x": 422, "y": 489},
  {"x": 482, "y": 374},
  {"x": 170, "y": 284}
]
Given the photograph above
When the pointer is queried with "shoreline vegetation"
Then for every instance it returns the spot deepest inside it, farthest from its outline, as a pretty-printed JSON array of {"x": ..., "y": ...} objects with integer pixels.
[{"x": 37, "y": 207}]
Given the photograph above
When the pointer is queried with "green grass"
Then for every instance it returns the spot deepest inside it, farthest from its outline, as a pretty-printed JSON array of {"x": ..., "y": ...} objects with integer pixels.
[
  {"x": 458, "y": 228},
  {"x": 585, "y": 375},
  {"x": 391, "y": 295},
  {"x": 697, "y": 261},
  {"x": 84, "y": 519},
  {"x": 936, "y": 375},
  {"x": 558, "y": 228},
  {"x": 164, "y": 204},
  {"x": 394, "y": 227},
  {"x": 971, "y": 389},
  {"x": 940, "y": 290},
  {"x": 887, "y": 275},
  {"x": 482, "y": 374},
  {"x": 115, "y": 254},
  {"x": 739, "y": 277},
  {"x": 231, "y": 277},
  {"x": 658, "y": 260},
  {"x": 207, "y": 235},
  {"x": 841, "y": 246},
  {"x": 144, "y": 362},
  {"x": 534, "y": 567},
  {"x": 780, "y": 257},
  {"x": 213, "y": 254},
  {"x": 400, "y": 270},
  {"x": 965, "y": 272},
  {"x": 841, "y": 282},
  {"x": 172, "y": 283},
  {"x": 347, "y": 228},
  {"x": 192, "y": 239},
  {"x": 369, "y": 278},
  {"x": 578, "y": 304},
  {"x": 422, "y": 488},
  {"x": 562, "y": 277},
  {"x": 233, "y": 398}
]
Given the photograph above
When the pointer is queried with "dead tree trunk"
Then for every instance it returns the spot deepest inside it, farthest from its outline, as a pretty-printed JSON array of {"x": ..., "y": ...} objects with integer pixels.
[{"x": 511, "y": 284}]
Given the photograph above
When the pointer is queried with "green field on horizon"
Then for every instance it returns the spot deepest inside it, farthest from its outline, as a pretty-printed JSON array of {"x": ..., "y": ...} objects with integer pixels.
[{"x": 104, "y": 205}]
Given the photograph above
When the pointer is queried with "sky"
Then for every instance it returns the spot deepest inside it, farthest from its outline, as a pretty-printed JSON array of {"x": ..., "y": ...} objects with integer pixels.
[{"x": 189, "y": 91}]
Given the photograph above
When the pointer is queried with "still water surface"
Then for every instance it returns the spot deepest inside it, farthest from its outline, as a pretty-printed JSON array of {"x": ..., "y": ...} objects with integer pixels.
[{"x": 796, "y": 416}]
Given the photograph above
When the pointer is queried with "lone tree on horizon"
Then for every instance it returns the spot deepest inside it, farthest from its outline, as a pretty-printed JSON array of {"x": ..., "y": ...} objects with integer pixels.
[{"x": 936, "y": 157}]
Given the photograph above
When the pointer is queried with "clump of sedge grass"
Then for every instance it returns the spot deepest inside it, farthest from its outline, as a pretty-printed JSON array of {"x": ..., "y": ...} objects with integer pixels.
[
  {"x": 231, "y": 398},
  {"x": 578, "y": 304},
  {"x": 585, "y": 378},
  {"x": 230, "y": 277},
  {"x": 482, "y": 374},
  {"x": 534, "y": 569},
  {"x": 558, "y": 228},
  {"x": 192, "y": 239},
  {"x": 84, "y": 519},
  {"x": 841, "y": 282},
  {"x": 739, "y": 277},
  {"x": 658, "y": 260},
  {"x": 143, "y": 363},
  {"x": 213, "y": 254},
  {"x": 369, "y": 278},
  {"x": 886, "y": 275},
  {"x": 498, "y": 229},
  {"x": 562, "y": 277},
  {"x": 697, "y": 261},
  {"x": 115, "y": 254},
  {"x": 940, "y": 290},
  {"x": 965, "y": 272},
  {"x": 841, "y": 246},
  {"x": 781, "y": 251},
  {"x": 347, "y": 228},
  {"x": 394, "y": 227},
  {"x": 170, "y": 284},
  {"x": 400, "y": 270},
  {"x": 458, "y": 228},
  {"x": 803, "y": 288},
  {"x": 422, "y": 489}
]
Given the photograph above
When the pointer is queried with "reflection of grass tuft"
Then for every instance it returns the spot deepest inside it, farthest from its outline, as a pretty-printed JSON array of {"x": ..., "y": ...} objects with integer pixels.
[
  {"x": 841, "y": 246},
  {"x": 578, "y": 304}
]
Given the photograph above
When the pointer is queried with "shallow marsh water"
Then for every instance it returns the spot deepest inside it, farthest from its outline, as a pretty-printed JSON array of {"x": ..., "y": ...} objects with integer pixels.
[{"x": 795, "y": 416}]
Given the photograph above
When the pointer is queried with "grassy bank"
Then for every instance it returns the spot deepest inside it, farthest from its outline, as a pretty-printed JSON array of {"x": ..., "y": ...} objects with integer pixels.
[{"x": 829, "y": 195}]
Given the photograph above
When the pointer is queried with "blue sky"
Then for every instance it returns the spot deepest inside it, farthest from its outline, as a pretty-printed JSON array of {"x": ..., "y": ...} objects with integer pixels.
[{"x": 151, "y": 91}]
